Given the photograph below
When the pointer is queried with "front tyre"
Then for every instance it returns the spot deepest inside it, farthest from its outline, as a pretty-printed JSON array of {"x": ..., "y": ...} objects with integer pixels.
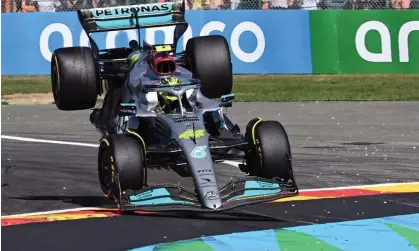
[
  {"x": 269, "y": 152},
  {"x": 120, "y": 165},
  {"x": 74, "y": 78},
  {"x": 208, "y": 57}
]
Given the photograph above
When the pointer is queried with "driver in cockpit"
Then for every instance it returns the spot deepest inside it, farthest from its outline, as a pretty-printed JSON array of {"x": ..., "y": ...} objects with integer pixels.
[{"x": 159, "y": 63}]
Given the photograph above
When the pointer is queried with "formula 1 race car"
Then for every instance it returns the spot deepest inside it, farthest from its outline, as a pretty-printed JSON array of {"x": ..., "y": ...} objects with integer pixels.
[{"x": 167, "y": 109}]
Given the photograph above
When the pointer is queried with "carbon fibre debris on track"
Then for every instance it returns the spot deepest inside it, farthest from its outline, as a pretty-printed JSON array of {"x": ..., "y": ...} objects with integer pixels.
[
  {"x": 348, "y": 223},
  {"x": 304, "y": 196},
  {"x": 317, "y": 131}
]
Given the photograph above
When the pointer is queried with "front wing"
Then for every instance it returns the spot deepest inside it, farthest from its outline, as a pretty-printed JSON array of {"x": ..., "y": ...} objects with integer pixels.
[{"x": 237, "y": 193}]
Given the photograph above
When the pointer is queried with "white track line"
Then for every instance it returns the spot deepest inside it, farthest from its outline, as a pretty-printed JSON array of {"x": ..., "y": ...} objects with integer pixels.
[
  {"x": 48, "y": 141},
  {"x": 54, "y": 211},
  {"x": 358, "y": 186},
  {"x": 227, "y": 162}
]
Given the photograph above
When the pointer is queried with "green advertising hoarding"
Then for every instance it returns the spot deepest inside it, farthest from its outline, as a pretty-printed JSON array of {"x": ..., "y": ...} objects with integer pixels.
[{"x": 382, "y": 41}]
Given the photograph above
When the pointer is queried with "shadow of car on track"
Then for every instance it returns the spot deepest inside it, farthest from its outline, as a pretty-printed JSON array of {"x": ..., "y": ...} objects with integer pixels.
[
  {"x": 233, "y": 215},
  {"x": 101, "y": 202},
  {"x": 83, "y": 201}
]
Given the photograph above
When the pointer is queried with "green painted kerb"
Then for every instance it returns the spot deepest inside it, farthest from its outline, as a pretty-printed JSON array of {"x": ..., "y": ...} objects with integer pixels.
[
  {"x": 382, "y": 41},
  {"x": 411, "y": 235},
  {"x": 374, "y": 234},
  {"x": 195, "y": 245},
  {"x": 290, "y": 240}
]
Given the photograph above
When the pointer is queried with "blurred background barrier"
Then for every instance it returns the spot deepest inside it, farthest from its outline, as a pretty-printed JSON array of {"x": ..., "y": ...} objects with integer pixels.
[
  {"x": 261, "y": 42},
  {"x": 71, "y": 5},
  {"x": 372, "y": 41},
  {"x": 257, "y": 46}
]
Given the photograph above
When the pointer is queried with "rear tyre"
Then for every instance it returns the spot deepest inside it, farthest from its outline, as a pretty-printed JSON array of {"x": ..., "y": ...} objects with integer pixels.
[
  {"x": 269, "y": 153},
  {"x": 74, "y": 78},
  {"x": 120, "y": 165},
  {"x": 208, "y": 58}
]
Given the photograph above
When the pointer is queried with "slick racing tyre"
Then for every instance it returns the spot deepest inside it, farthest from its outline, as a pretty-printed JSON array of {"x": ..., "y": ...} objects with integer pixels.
[
  {"x": 269, "y": 152},
  {"x": 208, "y": 58},
  {"x": 120, "y": 165},
  {"x": 74, "y": 78}
]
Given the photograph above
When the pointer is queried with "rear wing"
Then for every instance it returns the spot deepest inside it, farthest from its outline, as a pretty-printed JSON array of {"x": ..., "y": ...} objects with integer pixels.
[{"x": 132, "y": 17}]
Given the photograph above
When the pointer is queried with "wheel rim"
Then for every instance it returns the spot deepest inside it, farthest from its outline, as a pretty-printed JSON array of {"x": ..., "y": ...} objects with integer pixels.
[{"x": 105, "y": 173}]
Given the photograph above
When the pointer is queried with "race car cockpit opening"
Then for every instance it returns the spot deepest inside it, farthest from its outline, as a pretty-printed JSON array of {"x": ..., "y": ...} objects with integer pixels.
[{"x": 162, "y": 63}]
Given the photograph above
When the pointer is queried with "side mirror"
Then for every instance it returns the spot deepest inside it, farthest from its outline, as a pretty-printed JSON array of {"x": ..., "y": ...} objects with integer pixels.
[
  {"x": 227, "y": 100},
  {"x": 127, "y": 109}
]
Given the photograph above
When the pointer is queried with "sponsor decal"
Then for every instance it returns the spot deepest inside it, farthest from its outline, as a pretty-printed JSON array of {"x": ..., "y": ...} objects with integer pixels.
[
  {"x": 163, "y": 48},
  {"x": 170, "y": 81},
  {"x": 211, "y": 195},
  {"x": 127, "y": 109},
  {"x": 146, "y": 8},
  {"x": 186, "y": 119},
  {"x": 206, "y": 179},
  {"x": 191, "y": 134},
  {"x": 199, "y": 152},
  {"x": 204, "y": 171},
  {"x": 262, "y": 184}
]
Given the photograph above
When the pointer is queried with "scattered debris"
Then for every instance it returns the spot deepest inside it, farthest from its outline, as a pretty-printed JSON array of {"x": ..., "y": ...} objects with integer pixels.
[{"x": 10, "y": 168}]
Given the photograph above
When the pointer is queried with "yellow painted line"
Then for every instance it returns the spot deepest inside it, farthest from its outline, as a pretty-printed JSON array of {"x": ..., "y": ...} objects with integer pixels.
[
  {"x": 388, "y": 189},
  {"x": 73, "y": 217},
  {"x": 59, "y": 216},
  {"x": 301, "y": 197},
  {"x": 401, "y": 188}
]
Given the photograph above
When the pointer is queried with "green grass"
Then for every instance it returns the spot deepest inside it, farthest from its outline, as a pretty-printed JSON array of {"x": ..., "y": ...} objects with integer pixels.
[
  {"x": 281, "y": 87},
  {"x": 25, "y": 84},
  {"x": 327, "y": 87}
]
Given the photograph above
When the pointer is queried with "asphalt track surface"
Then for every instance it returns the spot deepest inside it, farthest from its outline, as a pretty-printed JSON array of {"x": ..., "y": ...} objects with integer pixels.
[{"x": 333, "y": 144}]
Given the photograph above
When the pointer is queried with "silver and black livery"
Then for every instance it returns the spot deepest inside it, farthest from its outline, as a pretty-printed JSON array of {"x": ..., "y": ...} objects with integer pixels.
[{"x": 164, "y": 108}]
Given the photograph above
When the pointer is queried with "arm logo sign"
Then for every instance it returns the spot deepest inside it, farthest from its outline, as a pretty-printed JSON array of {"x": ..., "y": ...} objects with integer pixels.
[
  {"x": 260, "y": 42},
  {"x": 385, "y": 55},
  {"x": 150, "y": 36}
]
